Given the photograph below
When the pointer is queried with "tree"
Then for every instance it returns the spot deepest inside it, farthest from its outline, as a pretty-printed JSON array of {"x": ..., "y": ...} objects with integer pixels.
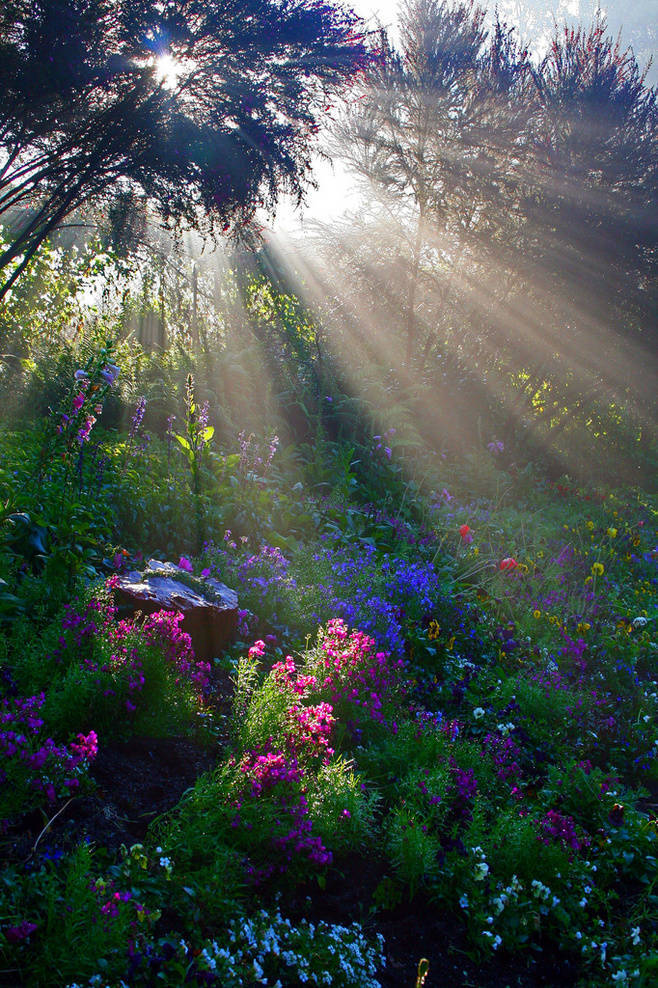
[
  {"x": 590, "y": 213},
  {"x": 520, "y": 244},
  {"x": 206, "y": 107},
  {"x": 437, "y": 134}
]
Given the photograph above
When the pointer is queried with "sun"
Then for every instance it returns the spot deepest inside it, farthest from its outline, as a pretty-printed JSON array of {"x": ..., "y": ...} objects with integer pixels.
[{"x": 167, "y": 71}]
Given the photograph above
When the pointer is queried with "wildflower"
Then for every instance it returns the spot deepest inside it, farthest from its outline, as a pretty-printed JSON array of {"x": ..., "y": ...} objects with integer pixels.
[
  {"x": 612, "y": 532},
  {"x": 635, "y": 935},
  {"x": 478, "y": 712},
  {"x": 110, "y": 373},
  {"x": 495, "y": 446},
  {"x": 589, "y": 525},
  {"x": 597, "y": 569},
  {"x": 639, "y": 622},
  {"x": 466, "y": 534},
  {"x": 434, "y": 630},
  {"x": 257, "y": 650},
  {"x": 81, "y": 375},
  {"x": 481, "y": 871},
  {"x": 184, "y": 563},
  {"x": 583, "y": 626},
  {"x": 137, "y": 417},
  {"x": 536, "y": 614},
  {"x": 508, "y": 563},
  {"x": 85, "y": 429},
  {"x": 17, "y": 933}
]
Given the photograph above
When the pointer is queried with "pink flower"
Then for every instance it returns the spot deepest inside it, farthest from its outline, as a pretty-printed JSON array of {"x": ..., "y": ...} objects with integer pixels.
[
  {"x": 257, "y": 650},
  {"x": 184, "y": 563}
]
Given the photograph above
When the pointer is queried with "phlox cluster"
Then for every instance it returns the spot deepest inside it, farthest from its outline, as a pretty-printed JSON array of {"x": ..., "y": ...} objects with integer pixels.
[{"x": 35, "y": 761}]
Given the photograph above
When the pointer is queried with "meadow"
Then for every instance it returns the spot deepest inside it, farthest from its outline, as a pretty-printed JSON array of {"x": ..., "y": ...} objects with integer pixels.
[{"x": 430, "y": 747}]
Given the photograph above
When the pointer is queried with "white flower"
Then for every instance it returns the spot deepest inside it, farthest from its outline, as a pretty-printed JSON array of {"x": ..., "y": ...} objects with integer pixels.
[
  {"x": 639, "y": 622},
  {"x": 481, "y": 871},
  {"x": 635, "y": 935},
  {"x": 478, "y": 712}
]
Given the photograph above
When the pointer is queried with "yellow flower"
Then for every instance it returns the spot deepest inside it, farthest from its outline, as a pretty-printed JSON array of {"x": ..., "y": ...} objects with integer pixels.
[
  {"x": 583, "y": 626},
  {"x": 612, "y": 532},
  {"x": 590, "y": 525},
  {"x": 536, "y": 615},
  {"x": 451, "y": 643},
  {"x": 597, "y": 569},
  {"x": 434, "y": 630}
]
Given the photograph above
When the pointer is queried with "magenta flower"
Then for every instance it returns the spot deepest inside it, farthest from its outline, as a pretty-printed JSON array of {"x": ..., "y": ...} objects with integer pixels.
[
  {"x": 184, "y": 563},
  {"x": 17, "y": 933}
]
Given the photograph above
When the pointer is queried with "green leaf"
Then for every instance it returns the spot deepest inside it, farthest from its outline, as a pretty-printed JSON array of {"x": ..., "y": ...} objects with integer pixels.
[
  {"x": 208, "y": 433},
  {"x": 183, "y": 441}
]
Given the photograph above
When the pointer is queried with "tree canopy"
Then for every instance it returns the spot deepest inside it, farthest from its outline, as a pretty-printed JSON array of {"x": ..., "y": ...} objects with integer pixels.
[
  {"x": 514, "y": 203},
  {"x": 206, "y": 107}
]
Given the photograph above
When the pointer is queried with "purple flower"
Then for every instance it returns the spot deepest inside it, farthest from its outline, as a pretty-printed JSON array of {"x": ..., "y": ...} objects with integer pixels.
[
  {"x": 110, "y": 373},
  {"x": 85, "y": 429},
  {"x": 184, "y": 563},
  {"x": 17, "y": 933},
  {"x": 138, "y": 415}
]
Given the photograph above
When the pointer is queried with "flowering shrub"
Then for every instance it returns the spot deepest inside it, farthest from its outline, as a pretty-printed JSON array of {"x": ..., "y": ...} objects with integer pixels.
[
  {"x": 35, "y": 766},
  {"x": 144, "y": 667}
]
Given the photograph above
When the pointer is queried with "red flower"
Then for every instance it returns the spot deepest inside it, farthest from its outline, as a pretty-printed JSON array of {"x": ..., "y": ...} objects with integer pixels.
[
  {"x": 509, "y": 562},
  {"x": 466, "y": 534}
]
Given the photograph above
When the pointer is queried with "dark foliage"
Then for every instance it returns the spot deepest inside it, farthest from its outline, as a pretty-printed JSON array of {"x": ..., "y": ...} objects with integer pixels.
[{"x": 217, "y": 129}]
